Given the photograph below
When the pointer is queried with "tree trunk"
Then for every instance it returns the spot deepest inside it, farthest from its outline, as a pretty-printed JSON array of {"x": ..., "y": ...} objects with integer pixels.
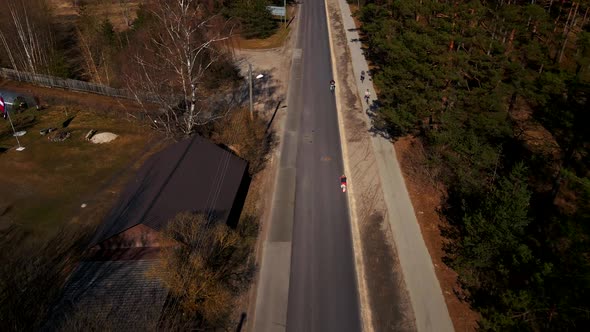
[
  {"x": 567, "y": 21},
  {"x": 510, "y": 41},
  {"x": 512, "y": 104},
  {"x": 567, "y": 29},
  {"x": 558, "y": 178}
]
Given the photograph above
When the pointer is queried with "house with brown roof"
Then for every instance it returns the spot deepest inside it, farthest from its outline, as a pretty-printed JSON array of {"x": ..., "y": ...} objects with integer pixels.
[{"x": 193, "y": 175}]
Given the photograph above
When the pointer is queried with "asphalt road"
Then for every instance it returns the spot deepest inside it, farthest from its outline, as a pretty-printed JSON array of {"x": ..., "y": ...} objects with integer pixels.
[{"x": 323, "y": 292}]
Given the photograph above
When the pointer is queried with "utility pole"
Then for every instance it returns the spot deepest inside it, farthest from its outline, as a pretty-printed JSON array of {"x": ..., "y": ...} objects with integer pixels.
[{"x": 250, "y": 83}]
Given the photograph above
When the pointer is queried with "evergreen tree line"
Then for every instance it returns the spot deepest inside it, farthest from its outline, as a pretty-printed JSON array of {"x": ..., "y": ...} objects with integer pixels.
[{"x": 498, "y": 92}]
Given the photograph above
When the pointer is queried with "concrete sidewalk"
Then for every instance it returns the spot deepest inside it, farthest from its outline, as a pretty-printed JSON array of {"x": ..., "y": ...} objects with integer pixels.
[{"x": 427, "y": 300}]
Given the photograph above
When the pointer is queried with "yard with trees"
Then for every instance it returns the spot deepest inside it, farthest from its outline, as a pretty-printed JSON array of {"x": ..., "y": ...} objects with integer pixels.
[
  {"x": 173, "y": 57},
  {"x": 498, "y": 92}
]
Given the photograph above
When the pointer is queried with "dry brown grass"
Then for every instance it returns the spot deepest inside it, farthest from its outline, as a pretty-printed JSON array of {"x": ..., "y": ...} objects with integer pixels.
[
  {"x": 204, "y": 272},
  {"x": 34, "y": 272},
  {"x": 245, "y": 136},
  {"x": 120, "y": 13},
  {"x": 45, "y": 185},
  {"x": 274, "y": 41}
]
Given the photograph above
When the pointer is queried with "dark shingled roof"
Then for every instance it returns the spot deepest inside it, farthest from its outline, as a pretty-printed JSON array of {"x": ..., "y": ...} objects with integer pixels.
[
  {"x": 114, "y": 295},
  {"x": 193, "y": 175}
]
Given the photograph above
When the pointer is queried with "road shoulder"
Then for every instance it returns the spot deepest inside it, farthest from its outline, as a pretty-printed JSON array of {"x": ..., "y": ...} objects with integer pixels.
[
  {"x": 269, "y": 299},
  {"x": 385, "y": 303}
]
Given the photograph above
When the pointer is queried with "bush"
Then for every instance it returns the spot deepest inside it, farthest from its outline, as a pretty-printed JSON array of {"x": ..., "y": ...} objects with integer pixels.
[
  {"x": 255, "y": 18},
  {"x": 246, "y": 137},
  {"x": 203, "y": 273},
  {"x": 222, "y": 72}
]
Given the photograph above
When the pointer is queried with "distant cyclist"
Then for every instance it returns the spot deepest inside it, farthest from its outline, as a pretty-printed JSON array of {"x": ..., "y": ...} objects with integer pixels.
[
  {"x": 332, "y": 85},
  {"x": 367, "y": 96},
  {"x": 362, "y": 76}
]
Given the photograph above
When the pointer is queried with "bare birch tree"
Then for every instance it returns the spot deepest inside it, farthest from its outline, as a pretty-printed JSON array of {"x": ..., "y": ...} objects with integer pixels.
[
  {"x": 96, "y": 40},
  {"x": 173, "y": 62},
  {"x": 26, "y": 35}
]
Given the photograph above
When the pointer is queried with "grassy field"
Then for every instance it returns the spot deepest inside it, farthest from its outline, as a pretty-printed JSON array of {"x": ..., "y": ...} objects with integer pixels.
[
  {"x": 274, "y": 41},
  {"x": 43, "y": 187}
]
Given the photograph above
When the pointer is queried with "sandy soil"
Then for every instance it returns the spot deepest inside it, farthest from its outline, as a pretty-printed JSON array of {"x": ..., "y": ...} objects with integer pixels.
[
  {"x": 427, "y": 197},
  {"x": 271, "y": 89}
]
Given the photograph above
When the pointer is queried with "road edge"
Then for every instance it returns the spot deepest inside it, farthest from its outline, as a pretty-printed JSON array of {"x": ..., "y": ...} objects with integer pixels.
[
  {"x": 424, "y": 289},
  {"x": 268, "y": 218},
  {"x": 364, "y": 307}
]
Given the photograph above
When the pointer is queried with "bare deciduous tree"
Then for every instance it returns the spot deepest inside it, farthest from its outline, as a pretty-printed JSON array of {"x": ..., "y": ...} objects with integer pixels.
[
  {"x": 25, "y": 33},
  {"x": 97, "y": 44},
  {"x": 173, "y": 62},
  {"x": 126, "y": 10},
  {"x": 204, "y": 272},
  {"x": 88, "y": 64}
]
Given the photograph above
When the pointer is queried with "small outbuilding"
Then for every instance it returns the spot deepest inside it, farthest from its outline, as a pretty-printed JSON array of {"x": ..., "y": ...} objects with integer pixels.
[
  {"x": 194, "y": 175},
  {"x": 110, "y": 287}
]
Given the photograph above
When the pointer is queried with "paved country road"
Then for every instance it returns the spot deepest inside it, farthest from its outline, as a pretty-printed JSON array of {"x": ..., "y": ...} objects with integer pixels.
[
  {"x": 323, "y": 292},
  {"x": 307, "y": 280}
]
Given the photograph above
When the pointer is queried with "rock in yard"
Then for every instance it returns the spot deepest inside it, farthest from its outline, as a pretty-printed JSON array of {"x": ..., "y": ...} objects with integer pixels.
[{"x": 103, "y": 138}]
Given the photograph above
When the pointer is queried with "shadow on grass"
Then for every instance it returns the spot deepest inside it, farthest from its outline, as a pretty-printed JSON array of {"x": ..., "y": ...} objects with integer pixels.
[
  {"x": 4, "y": 209},
  {"x": 274, "y": 41},
  {"x": 20, "y": 122},
  {"x": 69, "y": 120}
]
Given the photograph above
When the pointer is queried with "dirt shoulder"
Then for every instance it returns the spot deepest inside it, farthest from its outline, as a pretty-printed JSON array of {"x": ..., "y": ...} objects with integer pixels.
[
  {"x": 382, "y": 281},
  {"x": 269, "y": 94},
  {"x": 271, "y": 89},
  {"x": 427, "y": 197}
]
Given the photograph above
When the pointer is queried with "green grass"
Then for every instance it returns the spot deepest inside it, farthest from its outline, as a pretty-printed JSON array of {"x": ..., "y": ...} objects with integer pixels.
[{"x": 43, "y": 186}]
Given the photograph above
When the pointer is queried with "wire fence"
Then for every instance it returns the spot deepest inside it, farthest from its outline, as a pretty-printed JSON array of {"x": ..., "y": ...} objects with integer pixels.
[
  {"x": 69, "y": 84},
  {"x": 236, "y": 95}
]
